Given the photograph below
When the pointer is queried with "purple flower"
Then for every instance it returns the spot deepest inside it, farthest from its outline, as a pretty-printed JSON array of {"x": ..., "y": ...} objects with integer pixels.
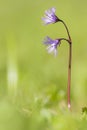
[
  {"x": 52, "y": 45},
  {"x": 50, "y": 16}
]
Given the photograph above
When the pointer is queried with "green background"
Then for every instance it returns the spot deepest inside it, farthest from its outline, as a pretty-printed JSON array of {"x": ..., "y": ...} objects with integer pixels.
[{"x": 33, "y": 83}]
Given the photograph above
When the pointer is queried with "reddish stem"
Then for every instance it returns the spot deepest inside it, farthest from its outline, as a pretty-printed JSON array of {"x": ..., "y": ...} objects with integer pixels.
[{"x": 69, "y": 66}]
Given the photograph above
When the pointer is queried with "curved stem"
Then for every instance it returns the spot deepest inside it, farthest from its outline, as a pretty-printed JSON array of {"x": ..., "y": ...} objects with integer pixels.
[
  {"x": 67, "y": 30},
  {"x": 69, "y": 65},
  {"x": 65, "y": 40}
]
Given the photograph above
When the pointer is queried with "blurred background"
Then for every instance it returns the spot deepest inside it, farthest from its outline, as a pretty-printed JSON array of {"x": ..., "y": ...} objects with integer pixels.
[{"x": 33, "y": 84}]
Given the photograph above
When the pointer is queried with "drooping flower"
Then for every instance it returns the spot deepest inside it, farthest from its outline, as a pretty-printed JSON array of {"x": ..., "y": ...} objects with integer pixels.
[
  {"x": 52, "y": 45},
  {"x": 50, "y": 16}
]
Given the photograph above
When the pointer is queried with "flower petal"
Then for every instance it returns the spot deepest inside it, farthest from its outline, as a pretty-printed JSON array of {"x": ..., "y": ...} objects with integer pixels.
[
  {"x": 53, "y": 10},
  {"x": 52, "y": 44},
  {"x": 47, "y": 20},
  {"x": 55, "y": 52},
  {"x": 48, "y": 40},
  {"x": 50, "y": 16},
  {"x": 50, "y": 49}
]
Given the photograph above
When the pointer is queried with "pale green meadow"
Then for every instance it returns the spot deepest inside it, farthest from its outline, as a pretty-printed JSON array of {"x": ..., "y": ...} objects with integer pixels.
[{"x": 33, "y": 83}]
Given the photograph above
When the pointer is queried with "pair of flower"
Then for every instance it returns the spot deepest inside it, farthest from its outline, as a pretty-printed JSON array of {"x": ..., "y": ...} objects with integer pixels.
[{"x": 49, "y": 18}]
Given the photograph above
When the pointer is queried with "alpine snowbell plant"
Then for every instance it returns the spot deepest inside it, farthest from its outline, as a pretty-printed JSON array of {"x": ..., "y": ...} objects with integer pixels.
[{"x": 50, "y": 17}]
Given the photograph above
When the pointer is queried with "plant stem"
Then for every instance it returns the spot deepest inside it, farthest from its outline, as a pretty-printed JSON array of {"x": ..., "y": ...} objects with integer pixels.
[
  {"x": 65, "y": 40},
  {"x": 69, "y": 66},
  {"x": 69, "y": 75},
  {"x": 66, "y": 30}
]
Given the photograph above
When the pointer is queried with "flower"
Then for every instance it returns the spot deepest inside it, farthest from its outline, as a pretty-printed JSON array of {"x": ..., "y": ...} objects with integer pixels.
[
  {"x": 50, "y": 16},
  {"x": 52, "y": 45}
]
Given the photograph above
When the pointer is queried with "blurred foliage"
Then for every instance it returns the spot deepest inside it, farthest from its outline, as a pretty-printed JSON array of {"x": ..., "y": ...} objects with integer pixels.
[{"x": 33, "y": 84}]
